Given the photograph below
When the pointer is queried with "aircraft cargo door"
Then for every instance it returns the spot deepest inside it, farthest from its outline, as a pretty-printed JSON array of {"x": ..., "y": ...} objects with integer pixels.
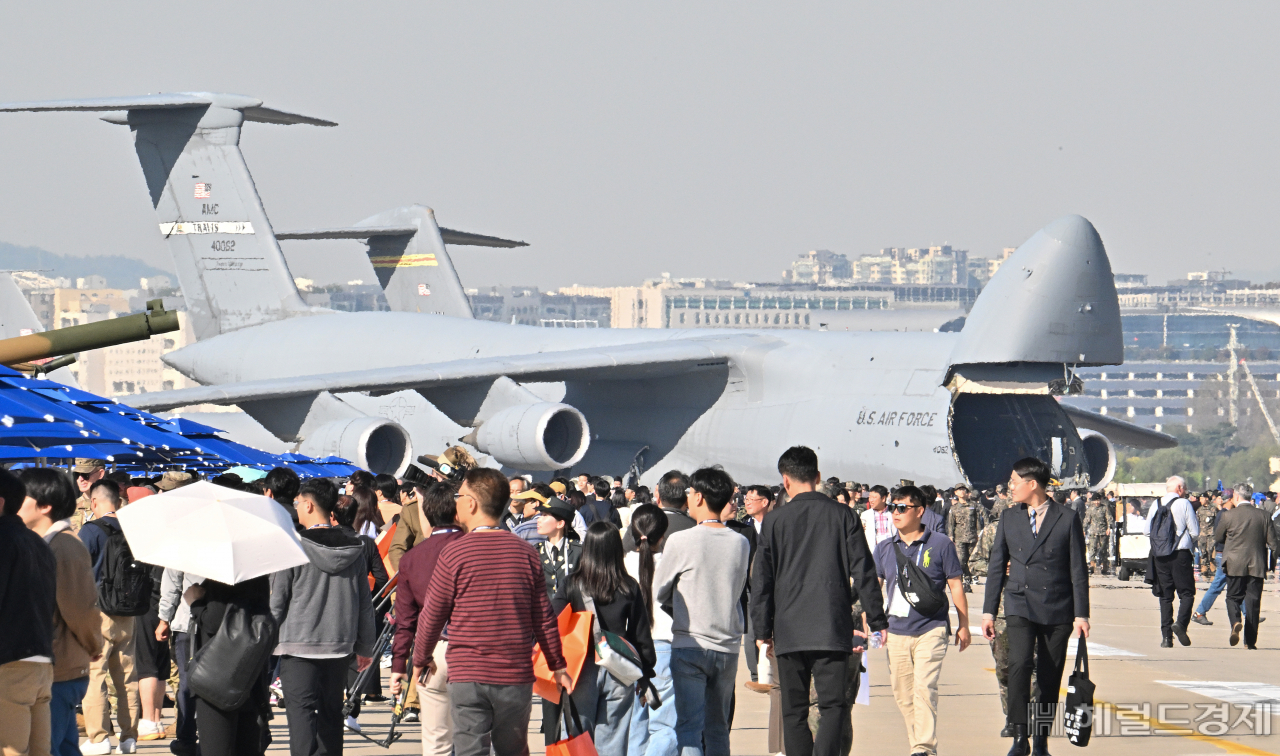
[{"x": 990, "y": 432}]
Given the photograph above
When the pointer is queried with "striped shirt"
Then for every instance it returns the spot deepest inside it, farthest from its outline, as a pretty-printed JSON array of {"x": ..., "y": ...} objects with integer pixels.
[{"x": 489, "y": 588}]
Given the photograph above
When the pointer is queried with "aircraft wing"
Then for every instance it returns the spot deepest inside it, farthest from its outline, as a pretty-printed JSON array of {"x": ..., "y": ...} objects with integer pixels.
[
  {"x": 628, "y": 361},
  {"x": 447, "y": 235},
  {"x": 1119, "y": 431}
]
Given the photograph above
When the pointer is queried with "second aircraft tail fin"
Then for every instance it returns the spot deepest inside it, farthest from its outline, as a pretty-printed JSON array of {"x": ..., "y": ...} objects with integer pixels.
[{"x": 407, "y": 250}]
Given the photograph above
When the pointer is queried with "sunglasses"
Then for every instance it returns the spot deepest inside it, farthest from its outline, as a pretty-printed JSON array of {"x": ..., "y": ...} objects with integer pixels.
[{"x": 901, "y": 508}]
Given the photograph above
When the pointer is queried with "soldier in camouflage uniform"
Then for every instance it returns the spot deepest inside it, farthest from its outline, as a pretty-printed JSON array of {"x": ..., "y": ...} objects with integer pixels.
[
  {"x": 86, "y": 472},
  {"x": 978, "y": 561},
  {"x": 964, "y": 524},
  {"x": 1206, "y": 514},
  {"x": 1097, "y": 528}
]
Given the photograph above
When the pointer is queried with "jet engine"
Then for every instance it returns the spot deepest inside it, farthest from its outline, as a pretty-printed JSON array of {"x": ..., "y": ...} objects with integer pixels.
[
  {"x": 1100, "y": 458},
  {"x": 541, "y": 436},
  {"x": 373, "y": 443}
]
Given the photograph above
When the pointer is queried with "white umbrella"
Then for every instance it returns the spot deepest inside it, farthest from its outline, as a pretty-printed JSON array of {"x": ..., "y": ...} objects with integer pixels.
[{"x": 212, "y": 531}]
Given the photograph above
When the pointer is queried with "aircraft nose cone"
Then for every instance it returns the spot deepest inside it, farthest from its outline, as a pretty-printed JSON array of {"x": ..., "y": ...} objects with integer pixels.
[{"x": 1074, "y": 231}]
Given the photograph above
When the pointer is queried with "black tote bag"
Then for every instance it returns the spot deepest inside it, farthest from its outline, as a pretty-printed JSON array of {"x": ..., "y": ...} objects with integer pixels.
[
  {"x": 224, "y": 670},
  {"x": 1077, "y": 717}
]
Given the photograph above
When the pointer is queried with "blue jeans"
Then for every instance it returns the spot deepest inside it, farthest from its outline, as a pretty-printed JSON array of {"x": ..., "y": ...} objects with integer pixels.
[
  {"x": 653, "y": 732},
  {"x": 604, "y": 706},
  {"x": 703, "y": 682},
  {"x": 1218, "y": 585},
  {"x": 62, "y": 716}
]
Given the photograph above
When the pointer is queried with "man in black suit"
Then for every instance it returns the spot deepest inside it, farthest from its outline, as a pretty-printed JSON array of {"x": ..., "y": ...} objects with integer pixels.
[
  {"x": 1046, "y": 593},
  {"x": 812, "y": 563}
]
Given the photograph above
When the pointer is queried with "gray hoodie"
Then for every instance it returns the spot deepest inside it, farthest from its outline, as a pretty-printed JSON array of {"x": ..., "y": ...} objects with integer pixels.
[{"x": 325, "y": 608}]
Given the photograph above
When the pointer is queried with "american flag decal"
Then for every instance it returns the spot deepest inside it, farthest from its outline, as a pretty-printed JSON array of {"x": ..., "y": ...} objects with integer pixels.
[{"x": 203, "y": 190}]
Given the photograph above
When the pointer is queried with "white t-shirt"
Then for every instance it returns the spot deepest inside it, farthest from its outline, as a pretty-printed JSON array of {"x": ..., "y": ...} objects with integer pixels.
[{"x": 661, "y": 620}]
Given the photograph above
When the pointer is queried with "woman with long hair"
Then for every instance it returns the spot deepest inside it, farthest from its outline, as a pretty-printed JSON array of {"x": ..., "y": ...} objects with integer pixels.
[
  {"x": 368, "y": 518},
  {"x": 604, "y": 703},
  {"x": 656, "y": 727}
]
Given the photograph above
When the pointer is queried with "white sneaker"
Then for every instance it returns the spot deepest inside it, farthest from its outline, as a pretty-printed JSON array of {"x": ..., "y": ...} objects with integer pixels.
[
  {"x": 353, "y": 724},
  {"x": 385, "y": 663},
  {"x": 148, "y": 730},
  {"x": 127, "y": 746},
  {"x": 96, "y": 749}
]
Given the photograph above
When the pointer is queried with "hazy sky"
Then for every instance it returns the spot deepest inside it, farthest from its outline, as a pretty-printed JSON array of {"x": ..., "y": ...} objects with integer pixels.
[{"x": 626, "y": 139}]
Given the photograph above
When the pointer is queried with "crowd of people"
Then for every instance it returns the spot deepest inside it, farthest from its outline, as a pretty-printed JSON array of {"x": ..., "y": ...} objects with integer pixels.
[{"x": 457, "y": 577}]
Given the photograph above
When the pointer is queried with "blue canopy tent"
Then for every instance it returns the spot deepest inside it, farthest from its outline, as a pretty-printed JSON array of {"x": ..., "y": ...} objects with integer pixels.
[{"x": 42, "y": 419}]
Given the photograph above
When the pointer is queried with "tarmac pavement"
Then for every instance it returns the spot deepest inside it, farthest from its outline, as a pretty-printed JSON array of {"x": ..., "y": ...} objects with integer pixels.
[{"x": 1153, "y": 696}]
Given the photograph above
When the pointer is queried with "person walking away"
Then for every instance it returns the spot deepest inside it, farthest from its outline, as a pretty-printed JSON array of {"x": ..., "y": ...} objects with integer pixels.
[
  {"x": 602, "y": 586},
  {"x": 324, "y": 614},
  {"x": 488, "y": 586},
  {"x": 281, "y": 484},
  {"x": 175, "y": 620},
  {"x": 701, "y": 578},
  {"x": 599, "y": 506},
  {"x": 877, "y": 520},
  {"x": 244, "y": 731},
  {"x": 119, "y": 654},
  {"x": 28, "y": 602},
  {"x": 918, "y": 642},
  {"x": 964, "y": 523},
  {"x": 813, "y": 563},
  {"x": 653, "y": 731},
  {"x": 757, "y": 501},
  {"x": 47, "y": 506},
  {"x": 438, "y": 508},
  {"x": 1173, "y": 528},
  {"x": 1225, "y": 502},
  {"x": 346, "y": 515},
  {"x": 1245, "y": 533},
  {"x": 673, "y": 500},
  {"x": 1038, "y": 553}
]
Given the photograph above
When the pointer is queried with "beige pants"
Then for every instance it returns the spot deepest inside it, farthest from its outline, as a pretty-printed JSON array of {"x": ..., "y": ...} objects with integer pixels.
[
  {"x": 437, "y": 712},
  {"x": 116, "y": 663},
  {"x": 915, "y": 663},
  {"x": 24, "y": 708}
]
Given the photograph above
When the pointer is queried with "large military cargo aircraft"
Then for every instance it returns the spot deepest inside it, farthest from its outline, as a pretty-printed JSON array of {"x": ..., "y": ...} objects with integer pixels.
[{"x": 931, "y": 407}]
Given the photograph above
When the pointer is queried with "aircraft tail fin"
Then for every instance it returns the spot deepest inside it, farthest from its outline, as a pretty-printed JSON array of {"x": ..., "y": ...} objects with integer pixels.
[
  {"x": 407, "y": 250},
  {"x": 229, "y": 265}
]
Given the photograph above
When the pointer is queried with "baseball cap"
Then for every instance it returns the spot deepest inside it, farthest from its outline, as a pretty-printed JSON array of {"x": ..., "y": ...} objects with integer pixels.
[
  {"x": 84, "y": 465},
  {"x": 558, "y": 487},
  {"x": 174, "y": 479},
  {"x": 530, "y": 494}
]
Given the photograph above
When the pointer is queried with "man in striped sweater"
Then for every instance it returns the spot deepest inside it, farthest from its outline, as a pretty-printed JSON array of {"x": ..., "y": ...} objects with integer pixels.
[{"x": 489, "y": 588}]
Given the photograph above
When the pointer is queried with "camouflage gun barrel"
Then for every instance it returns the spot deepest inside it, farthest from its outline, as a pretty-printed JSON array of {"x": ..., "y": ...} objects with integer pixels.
[{"x": 55, "y": 343}]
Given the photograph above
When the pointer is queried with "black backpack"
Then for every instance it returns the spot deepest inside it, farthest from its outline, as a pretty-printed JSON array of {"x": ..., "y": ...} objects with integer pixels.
[
  {"x": 224, "y": 670},
  {"x": 1164, "y": 537},
  {"x": 125, "y": 587}
]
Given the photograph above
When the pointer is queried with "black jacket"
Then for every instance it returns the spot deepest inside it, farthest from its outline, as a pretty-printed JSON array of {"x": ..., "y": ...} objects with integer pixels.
[
  {"x": 747, "y": 531},
  {"x": 677, "y": 520},
  {"x": 602, "y": 510},
  {"x": 1048, "y": 580},
  {"x": 812, "y": 563},
  {"x": 555, "y": 573},
  {"x": 625, "y": 615},
  {"x": 28, "y": 576}
]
